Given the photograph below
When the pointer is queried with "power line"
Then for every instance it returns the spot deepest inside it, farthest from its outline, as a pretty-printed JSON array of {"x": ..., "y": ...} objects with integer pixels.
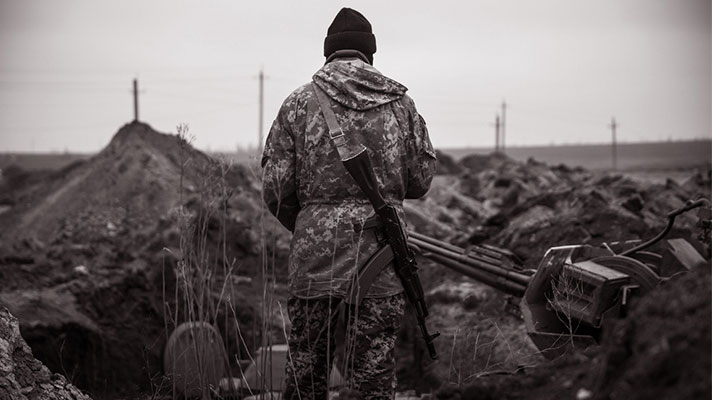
[
  {"x": 231, "y": 102},
  {"x": 201, "y": 79}
]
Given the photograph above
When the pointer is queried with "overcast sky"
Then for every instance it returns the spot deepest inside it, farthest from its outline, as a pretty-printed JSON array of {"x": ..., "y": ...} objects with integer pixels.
[{"x": 565, "y": 68}]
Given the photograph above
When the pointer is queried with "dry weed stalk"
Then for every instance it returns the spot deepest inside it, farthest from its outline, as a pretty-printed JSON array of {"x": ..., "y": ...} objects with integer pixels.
[
  {"x": 268, "y": 240},
  {"x": 566, "y": 288},
  {"x": 476, "y": 352},
  {"x": 203, "y": 272}
]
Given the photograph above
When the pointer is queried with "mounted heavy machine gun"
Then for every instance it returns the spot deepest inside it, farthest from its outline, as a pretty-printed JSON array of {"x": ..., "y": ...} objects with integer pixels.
[{"x": 576, "y": 288}]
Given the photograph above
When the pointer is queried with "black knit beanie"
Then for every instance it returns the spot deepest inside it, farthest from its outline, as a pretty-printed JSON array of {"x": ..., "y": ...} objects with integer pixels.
[{"x": 350, "y": 30}]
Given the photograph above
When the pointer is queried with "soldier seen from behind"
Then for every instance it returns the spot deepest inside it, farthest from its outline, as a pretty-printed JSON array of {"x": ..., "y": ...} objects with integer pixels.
[{"x": 308, "y": 189}]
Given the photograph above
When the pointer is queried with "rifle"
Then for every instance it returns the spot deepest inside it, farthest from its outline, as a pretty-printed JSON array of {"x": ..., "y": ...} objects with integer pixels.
[
  {"x": 358, "y": 164},
  {"x": 360, "y": 168}
]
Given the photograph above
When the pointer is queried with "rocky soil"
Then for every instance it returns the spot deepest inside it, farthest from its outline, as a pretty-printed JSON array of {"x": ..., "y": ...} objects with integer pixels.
[
  {"x": 661, "y": 351},
  {"x": 23, "y": 377},
  {"x": 103, "y": 258}
]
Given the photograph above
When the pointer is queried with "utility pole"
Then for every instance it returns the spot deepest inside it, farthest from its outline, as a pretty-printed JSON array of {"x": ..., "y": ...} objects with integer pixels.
[
  {"x": 496, "y": 134},
  {"x": 261, "y": 116},
  {"x": 613, "y": 127},
  {"x": 504, "y": 122},
  {"x": 135, "y": 99}
]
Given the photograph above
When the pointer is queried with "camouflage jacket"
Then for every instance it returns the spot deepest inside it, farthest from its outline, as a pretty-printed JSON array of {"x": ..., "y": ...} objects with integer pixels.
[{"x": 307, "y": 188}]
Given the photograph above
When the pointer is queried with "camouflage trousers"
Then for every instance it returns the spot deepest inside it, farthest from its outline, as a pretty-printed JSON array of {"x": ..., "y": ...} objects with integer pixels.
[{"x": 359, "y": 339}]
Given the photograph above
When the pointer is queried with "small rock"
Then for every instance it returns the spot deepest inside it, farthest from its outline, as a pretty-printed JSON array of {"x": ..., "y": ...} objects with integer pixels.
[
  {"x": 407, "y": 395},
  {"x": 81, "y": 270},
  {"x": 584, "y": 394},
  {"x": 633, "y": 204},
  {"x": 238, "y": 279}
]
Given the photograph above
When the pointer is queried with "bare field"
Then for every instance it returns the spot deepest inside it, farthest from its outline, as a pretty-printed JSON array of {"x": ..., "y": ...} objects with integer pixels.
[
  {"x": 631, "y": 156},
  {"x": 653, "y": 156},
  {"x": 40, "y": 161}
]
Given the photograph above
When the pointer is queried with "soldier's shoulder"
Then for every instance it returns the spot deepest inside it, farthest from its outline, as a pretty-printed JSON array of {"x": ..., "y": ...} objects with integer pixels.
[
  {"x": 405, "y": 107},
  {"x": 300, "y": 94},
  {"x": 407, "y": 101}
]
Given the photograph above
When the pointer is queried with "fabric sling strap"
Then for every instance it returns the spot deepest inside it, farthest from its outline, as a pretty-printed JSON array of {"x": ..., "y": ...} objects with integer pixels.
[
  {"x": 347, "y": 147},
  {"x": 358, "y": 164},
  {"x": 348, "y": 150},
  {"x": 352, "y": 153},
  {"x": 367, "y": 274}
]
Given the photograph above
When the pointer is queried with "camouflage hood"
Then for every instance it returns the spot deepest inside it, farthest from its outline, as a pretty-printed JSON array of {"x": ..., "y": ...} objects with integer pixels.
[{"x": 357, "y": 85}]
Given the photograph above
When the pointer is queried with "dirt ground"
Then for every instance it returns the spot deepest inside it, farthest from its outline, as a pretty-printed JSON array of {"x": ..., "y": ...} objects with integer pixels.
[
  {"x": 661, "y": 351},
  {"x": 98, "y": 258}
]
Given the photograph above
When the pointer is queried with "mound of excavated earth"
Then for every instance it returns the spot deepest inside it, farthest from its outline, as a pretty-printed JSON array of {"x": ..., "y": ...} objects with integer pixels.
[
  {"x": 660, "y": 351},
  {"x": 530, "y": 207},
  {"x": 663, "y": 350},
  {"x": 140, "y": 175},
  {"x": 22, "y": 377},
  {"x": 93, "y": 258}
]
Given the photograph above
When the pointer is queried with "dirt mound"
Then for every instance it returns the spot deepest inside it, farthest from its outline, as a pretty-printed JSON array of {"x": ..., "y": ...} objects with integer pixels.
[
  {"x": 477, "y": 163},
  {"x": 24, "y": 377},
  {"x": 95, "y": 258},
  {"x": 662, "y": 350},
  {"x": 446, "y": 164},
  {"x": 530, "y": 207},
  {"x": 139, "y": 175}
]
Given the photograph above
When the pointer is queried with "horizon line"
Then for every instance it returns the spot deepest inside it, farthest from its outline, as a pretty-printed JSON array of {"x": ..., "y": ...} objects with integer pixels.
[{"x": 250, "y": 148}]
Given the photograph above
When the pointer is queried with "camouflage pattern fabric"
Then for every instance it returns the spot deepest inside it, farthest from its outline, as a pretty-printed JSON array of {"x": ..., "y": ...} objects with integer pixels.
[
  {"x": 311, "y": 347},
  {"x": 366, "y": 358},
  {"x": 369, "y": 361},
  {"x": 307, "y": 188}
]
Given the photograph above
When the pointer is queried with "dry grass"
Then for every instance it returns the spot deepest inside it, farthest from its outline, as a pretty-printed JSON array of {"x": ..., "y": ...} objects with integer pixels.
[{"x": 204, "y": 284}]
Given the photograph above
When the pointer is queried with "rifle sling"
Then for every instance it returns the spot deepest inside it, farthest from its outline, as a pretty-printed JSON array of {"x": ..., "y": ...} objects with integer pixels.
[
  {"x": 348, "y": 148},
  {"x": 331, "y": 122},
  {"x": 368, "y": 272}
]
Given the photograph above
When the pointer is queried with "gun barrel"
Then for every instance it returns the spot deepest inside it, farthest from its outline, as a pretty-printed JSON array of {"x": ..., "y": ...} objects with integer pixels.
[
  {"x": 484, "y": 268},
  {"x": 497, "y": 282},
  {"x": 492, "y": 254}
]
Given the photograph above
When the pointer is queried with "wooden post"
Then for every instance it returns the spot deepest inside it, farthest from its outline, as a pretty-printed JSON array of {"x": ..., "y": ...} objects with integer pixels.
[
  {"x": 135, "y": 97},
  {"x": 614, "y": 150},
  {"x": 261, "y": 112},
  {"x": 496, "y": 134},
  {"x": 504, "y": 123}
]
